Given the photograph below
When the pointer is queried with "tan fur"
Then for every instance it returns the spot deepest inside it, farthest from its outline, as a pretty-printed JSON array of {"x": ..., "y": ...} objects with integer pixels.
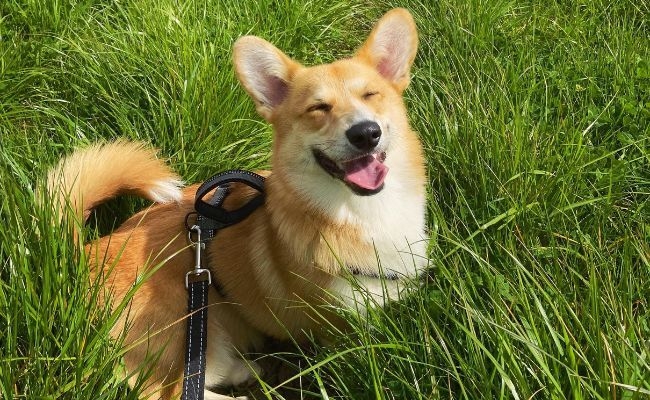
[
  {"x": 102, "y": 171},
  {"x": 291, "y": 255}
]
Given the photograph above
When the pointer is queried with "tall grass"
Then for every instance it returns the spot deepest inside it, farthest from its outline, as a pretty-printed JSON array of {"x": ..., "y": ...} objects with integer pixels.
[{"x": 535, "y": 117}]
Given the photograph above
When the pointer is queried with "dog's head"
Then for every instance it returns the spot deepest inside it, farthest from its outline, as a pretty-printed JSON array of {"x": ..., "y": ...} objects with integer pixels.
[{"x": 343, "y": 120}]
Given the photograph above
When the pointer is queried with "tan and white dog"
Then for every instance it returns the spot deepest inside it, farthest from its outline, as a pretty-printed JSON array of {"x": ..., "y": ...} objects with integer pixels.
[{"x": 346, "y": 196}]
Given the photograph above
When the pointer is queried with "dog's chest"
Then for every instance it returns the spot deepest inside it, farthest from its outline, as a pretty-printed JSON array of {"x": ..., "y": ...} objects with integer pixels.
[{"x": 391, "y": 227}]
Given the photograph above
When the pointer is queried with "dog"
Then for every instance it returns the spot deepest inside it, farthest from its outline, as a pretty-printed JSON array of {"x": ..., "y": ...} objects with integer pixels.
[{"x": 344, "y": 209}]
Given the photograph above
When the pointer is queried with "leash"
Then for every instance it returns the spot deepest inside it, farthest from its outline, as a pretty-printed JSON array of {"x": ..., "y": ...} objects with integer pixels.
[{"x": 210, "y": 218}]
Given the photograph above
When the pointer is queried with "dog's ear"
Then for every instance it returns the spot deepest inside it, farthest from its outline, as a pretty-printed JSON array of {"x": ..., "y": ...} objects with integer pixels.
[
  {"x": 264, "y": 71},
  {"x": 391, "y": 47}
]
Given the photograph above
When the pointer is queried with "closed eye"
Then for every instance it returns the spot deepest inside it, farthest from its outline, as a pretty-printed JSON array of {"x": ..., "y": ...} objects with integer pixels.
[
  {"x": 324, "y": 107},
  {"x": 369, "y": 94}
]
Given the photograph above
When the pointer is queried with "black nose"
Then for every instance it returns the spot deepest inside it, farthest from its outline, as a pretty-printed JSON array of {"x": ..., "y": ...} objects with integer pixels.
[{"x": 364, "y": 135}]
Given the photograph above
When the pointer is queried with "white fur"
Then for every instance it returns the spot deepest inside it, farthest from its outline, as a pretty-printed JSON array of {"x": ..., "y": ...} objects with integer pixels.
[
  {"x": 166, "y": 191},
  {"x": 223, "y": 366},
  {"x": 392, "y": 220}
]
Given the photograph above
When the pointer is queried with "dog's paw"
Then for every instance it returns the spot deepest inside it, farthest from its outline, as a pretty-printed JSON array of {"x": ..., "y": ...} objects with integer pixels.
[
  {"x": 244, "y": 373},
  {"x": 208, "y": 395}
]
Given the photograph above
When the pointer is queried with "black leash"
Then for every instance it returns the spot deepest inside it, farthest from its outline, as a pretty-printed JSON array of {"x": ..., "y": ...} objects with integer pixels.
[
  {"x": 210, "y": 218},
  {"x": 194, "y": 375}
]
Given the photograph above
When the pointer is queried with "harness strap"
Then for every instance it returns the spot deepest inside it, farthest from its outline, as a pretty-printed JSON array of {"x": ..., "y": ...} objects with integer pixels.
[{"x": 211, "y": 215}]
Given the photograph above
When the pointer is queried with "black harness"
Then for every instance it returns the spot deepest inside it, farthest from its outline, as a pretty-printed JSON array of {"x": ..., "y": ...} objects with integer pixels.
[{"x": 210, "y": 217}]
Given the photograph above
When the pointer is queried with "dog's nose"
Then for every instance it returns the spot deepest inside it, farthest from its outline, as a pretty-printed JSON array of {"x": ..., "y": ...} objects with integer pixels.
[{"x": 364, "y": 135}]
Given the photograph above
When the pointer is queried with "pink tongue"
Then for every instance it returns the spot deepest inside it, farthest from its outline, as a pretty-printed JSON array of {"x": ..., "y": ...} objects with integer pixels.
[{"x": 365, "y": 172}]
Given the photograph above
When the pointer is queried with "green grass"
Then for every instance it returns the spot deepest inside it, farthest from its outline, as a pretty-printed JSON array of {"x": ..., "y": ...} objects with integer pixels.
[{"x": 535, "y": 116}]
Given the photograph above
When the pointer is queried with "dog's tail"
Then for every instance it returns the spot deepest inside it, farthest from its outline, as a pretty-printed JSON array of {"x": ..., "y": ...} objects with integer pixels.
[{"x": 93, "y": 175}]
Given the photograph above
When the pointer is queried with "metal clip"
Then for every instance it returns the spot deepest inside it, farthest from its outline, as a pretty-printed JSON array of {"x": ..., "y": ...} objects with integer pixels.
[{"x": 198, "y": 246}]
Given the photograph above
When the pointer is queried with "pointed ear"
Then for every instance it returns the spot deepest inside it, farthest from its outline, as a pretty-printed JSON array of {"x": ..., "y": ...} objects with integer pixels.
[
  {"x": 264, "y": 71},
  {"x": 391, "y": 47}
]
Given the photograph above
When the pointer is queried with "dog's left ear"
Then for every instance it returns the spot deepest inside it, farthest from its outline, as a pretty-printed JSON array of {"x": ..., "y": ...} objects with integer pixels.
[
  {"x": 391, "y": 47},
  {"x": 265, "y": 72}
]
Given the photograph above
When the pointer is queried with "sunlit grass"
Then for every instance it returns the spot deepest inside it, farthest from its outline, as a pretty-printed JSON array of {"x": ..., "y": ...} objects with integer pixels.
[{"x": 535, "y": 117}]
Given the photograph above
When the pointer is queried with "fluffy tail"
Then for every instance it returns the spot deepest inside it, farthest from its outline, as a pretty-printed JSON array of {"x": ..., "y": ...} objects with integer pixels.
[{"x": 93, "y": 175}]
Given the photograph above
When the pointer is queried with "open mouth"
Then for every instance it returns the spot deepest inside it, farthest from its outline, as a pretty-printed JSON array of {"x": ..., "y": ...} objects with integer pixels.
[{"x": 364, "y": 175}]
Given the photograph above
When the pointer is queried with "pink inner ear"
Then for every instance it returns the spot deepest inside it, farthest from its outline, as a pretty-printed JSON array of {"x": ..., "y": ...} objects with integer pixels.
[
  {"x": 391, "y": 54},
  {"x": 275, "y": 91},
  {"x": 386, "y": 69}
]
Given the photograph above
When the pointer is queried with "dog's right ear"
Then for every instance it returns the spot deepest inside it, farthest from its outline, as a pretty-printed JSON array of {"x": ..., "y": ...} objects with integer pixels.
[
  {"x": 264, "y": 71},
  {"x": 391, "y": 47}
]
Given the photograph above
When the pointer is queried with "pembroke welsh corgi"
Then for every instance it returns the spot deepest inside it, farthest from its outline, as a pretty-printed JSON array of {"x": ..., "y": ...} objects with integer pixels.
[{"x": 346, "y": 196}]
